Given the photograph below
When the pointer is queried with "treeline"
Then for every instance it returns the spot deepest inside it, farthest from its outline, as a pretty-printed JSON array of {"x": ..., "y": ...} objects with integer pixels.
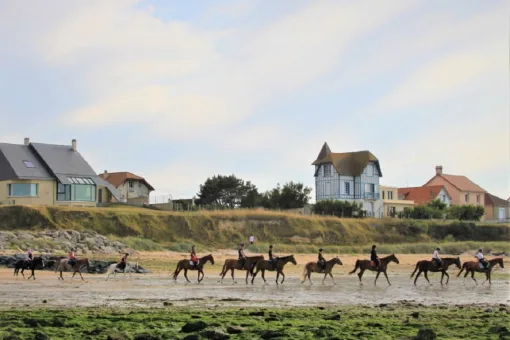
[{"x": 439, "y": 210}]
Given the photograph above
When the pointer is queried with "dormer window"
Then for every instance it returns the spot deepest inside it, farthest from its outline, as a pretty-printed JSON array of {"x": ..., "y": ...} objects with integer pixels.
[
  {"x": 327, "y": 170},
  {"x": 29, "y": 164}
]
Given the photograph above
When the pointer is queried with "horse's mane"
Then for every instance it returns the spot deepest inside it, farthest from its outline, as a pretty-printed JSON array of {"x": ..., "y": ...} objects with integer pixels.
[
  {"x": 285, "y": 257},
  {"x": 387, "y": 257}
]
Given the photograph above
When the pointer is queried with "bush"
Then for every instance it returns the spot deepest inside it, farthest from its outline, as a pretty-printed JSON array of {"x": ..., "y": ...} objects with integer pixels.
[{"x": 338, "y": 208}]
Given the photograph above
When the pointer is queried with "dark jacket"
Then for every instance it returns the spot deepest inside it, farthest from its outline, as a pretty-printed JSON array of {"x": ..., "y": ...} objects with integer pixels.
[
  {"x": 321, "y": 258},
  {"x": 241, "y": 253},
  {"x": 373, "y": 255},
  {"x": 270, "y": 254}
]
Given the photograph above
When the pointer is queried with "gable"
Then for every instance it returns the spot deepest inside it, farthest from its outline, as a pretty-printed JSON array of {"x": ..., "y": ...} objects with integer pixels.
[
  {"x": 491, "y": 200},
  {"x": 461, "y": 183},
  {"x": 12, "y": 163},
  {"x": 119, "y": 178},
  {"x": 348, "y": 163},
  {"x": 422, "y": 195}
]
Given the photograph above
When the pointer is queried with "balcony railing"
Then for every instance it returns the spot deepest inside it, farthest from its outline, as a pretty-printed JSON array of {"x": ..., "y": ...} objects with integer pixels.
[{"x": 371, "y": 195}]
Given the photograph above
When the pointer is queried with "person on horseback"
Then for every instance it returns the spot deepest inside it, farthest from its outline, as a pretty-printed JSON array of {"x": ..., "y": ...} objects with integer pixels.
[
  {"x": 194, "y": 257},
  {"x": 72, "y": 258},
  {"x": 242, "y": 256},
  {"x": 29, "y": 255},
  {"x": 123, "y": 262},
  {"x": 321, "y": 261},
  {"x": 435, "y": 258},
  {"x": 374, "y": 257},
  {"x": 481, "y": 258}
]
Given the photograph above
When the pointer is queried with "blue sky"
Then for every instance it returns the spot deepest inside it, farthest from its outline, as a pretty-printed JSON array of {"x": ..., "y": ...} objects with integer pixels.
[{"x": 177, "y": 91}]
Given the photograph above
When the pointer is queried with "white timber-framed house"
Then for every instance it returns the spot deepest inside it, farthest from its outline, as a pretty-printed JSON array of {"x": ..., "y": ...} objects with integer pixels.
[{"x": 349, "y": 176}]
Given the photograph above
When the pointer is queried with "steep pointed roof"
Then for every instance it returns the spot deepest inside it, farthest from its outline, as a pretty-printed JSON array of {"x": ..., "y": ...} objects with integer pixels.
[{"x": 347, "y": 163}]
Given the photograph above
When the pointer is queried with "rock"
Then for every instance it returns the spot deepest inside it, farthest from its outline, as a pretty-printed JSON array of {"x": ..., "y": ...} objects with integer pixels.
[
  {"x": 193, "y": 327},
  {"x": 118, "y": 336},
  {"x": 383, "y": 305},
  {"x": 166, "y": 303},
  {"x": 235, "y": 330},
  {"x": 44, "y": 301},
  {"x": 321, "y": 308},
  {"x": 58, "y": 322},
  {"x": 31, "y": 322},
  {"x": 259, "y": 313},
  {"x": 488, "y": 310},
  {"x": 271, "y": 334},
  {"x": 498, "y": 330},
  {"x": 415, "y": 314},
  {"x": 426, "y": 334},
  {"x": 41, "y": 336},
  {"x": 146, "y": 337},
  {"x": 215, "y": 334},
  {"x": 192, "y": 337}
]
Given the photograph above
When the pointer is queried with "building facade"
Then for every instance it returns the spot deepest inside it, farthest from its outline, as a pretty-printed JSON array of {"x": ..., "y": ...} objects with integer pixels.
[
  {"x": 133, "y": 189},
  {"x": 392, "y": 204}
]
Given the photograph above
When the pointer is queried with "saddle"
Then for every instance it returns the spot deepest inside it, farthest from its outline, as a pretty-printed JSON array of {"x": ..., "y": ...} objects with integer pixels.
[
  {"x": 372, "y": 264},
  {"x": 483, "y": 266},
  {"x": 71, "y": 262},
  {"x": 193, "y": 263}
]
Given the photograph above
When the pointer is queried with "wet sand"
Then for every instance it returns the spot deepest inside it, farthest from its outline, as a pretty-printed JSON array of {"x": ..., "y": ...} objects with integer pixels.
[{"x": 152, "y": 290}]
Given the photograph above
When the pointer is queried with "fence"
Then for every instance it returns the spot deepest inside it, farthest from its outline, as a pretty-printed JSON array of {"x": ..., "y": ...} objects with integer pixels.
[{"x": 160, "y": 199}]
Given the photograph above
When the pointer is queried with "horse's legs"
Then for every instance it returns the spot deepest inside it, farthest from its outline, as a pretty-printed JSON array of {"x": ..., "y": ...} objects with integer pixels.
[
  {"x": 360, "y": 274},
  {"x": 386, "y": 275},
  {"x": 426, "y": 276},
  {"x": 325, "y": 274},
  {"x": 254, "y": 274},
  {"x": 277, "y": 275},
  {"x": 416, "y": 277},
  {"x": 283, "y": 277},
  {"x": 79, "y": 272},
  {"x": 447, "y": 277},
  {"x": 334, "y": 282},
  {"x": 186, "y": 274},
  {"x": 263, "y": 272},
  {"x": 309, "y": 274},
  {"x": 473, "y": 276},
  {"x": 376, "y": 277}
]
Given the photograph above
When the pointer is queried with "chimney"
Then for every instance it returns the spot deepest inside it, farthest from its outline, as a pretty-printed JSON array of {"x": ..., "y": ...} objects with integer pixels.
[
  {"x": 439, "y": 170},
  {"x": 73, "y": 142},
  {"x": 105, "y": 174},
  {"x": 27, "y": 141}
]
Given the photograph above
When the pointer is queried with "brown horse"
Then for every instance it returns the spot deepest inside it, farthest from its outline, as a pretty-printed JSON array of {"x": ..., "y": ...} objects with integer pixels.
[
  {"x": 277, "y": 264},
  {"x": 64, "y": 265},
  {"x": 311, "y": 267},
  {"x": 383, "y": 266},
  {"x": 186, "y": 265},
  {"x": 474, "y": 266},
  {"x": 232, "y": 264},
  {"x": 429, "y": 266}
]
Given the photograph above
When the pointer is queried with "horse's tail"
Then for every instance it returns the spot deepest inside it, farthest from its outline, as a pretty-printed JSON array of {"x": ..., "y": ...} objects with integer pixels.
[
  {"x": 415, "y": 269},
  {"x": 462, "y": 269},
  {"x": 355, "y": 268},
  {"x": 223, "y": 270},
  {"x": 305, "y": 271},
  {"x": 58, "y": 266},
  {"x": 176, "y": 269}
]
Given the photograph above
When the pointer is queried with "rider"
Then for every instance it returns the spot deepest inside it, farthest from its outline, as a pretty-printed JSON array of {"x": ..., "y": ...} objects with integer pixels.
[
  {"x": 374, "y": 257},
  {"x": 436, "y": 259},
  {"x": 194, "y": 258},
  {"x": 242, "y": 256},
  {"x": 321, "y": 261},
  {"x": 29, "y": 255},
  {"x": 123, "y": 262},
  {"x": 72, "y": 258},
  {"x": 481, "y": 258}
]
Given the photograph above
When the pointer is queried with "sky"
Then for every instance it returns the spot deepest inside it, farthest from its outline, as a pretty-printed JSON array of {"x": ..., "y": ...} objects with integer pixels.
[{"x": 178, "y": 91}]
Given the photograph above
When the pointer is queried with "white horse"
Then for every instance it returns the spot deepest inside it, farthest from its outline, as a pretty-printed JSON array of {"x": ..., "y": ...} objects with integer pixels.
[{"x": 112, "y": 269}]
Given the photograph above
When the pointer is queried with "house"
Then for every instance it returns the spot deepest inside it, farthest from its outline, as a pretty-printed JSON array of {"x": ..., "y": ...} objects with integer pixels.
[
  {"x": 462, "y": 191},
  {"x": 496, "y": 209},
  {"x": 349, "y": 176},
  {"x": 392, "y": 203},
  {"x": 50, "y": 175},
  {"x": 133, "y": 189},
  {"x": 425, "y": 195}
]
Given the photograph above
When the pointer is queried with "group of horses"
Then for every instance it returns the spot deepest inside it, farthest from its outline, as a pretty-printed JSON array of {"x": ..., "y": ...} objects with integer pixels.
[{"x": 253, "y": 265}]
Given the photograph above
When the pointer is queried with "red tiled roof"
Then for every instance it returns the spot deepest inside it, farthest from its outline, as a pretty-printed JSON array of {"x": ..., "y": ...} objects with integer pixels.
[
  {"x": 421, "y": 195},
  {"x": 462, "y": 183},
  {"x": 118, "y": 178},
  {"x": 495, "y": 201}
]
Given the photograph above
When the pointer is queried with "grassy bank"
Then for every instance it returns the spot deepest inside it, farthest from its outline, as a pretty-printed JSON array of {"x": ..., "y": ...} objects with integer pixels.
[
  {"x": 387, "y": 322},
  {"x": 155, "y": 230}
]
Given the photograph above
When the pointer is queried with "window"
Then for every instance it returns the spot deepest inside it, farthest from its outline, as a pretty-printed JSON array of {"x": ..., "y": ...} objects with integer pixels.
[
  {"x": 84, "y": 193},
  {"x": 327, "y": 189},
  {"x": 63, "y": 192},
  {"x": 347, "y": 188},
  {"x": 467, "y": 198},
  {"x": 444, "y": 198},
  {"x": 369, "y": 187},
  {"x": 390, "y": 195},
  {"x": 370, "y": 170},
  {"x": 477, "y": 198},
  {"x": 327, "y": 170},
  {"x": 76, "y": 192},
  {"x": 382, "y": 194},
  {"x": 29, "y": 164},
  {"x": 23, "y": 190}
]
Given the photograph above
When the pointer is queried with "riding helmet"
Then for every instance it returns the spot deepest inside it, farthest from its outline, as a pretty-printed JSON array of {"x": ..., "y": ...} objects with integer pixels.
[
  {"x": 271, "y": 246},
  {"x": 242, "y": 244},
  {"x": 480, "y": 249},
  {"x": 438, "y": 249},
  {"x": 320, "y": 249},
  {"x": 373, "y": 246}
]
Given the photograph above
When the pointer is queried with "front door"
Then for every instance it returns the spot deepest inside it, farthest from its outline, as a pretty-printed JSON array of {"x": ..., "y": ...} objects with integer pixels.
[
  {"x": 501, "y": 213},
  {"x": 100, "y": 196}
]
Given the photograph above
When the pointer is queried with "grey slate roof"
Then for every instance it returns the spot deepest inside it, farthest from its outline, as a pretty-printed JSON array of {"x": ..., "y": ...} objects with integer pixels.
[
  {"x": 50, "y": 161},
  {"x": 12, "y": 166}
]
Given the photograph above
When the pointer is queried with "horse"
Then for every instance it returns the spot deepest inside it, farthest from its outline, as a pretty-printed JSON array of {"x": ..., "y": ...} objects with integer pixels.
[
  {"x": 474, "y": 266},
  {"x": 112, "y": 269},
  {"x": 26, "y": 264},
  {"x": 185, "y": 264},
  {"x": 277, "y": 264},
  {"x": 64, "y": 265},
  {"x": 429, "y": 266},
  {"x": 232, "y": 264},
  {"x": 312, "y": 267},
  {"x": 383, "y": 265}
]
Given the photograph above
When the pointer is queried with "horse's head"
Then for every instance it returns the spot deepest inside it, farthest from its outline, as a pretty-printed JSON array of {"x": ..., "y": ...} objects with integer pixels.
[
  {"x": 457, "y": 262},
  {"x": 499, "y": 261},
  {"x": 338, "y": 261},
  {"x": 394, "y": 258},
  {"x": 210, "y": 258},
  {"x": 292, "y": 259}
]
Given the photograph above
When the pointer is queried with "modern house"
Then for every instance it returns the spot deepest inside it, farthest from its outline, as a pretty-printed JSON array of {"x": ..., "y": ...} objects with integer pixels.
[
  {"x": 349, "y": 176},
  {"x": 133, "y": 189},
  {"x": 50, "y": 175},
  {"x": 425, "y": 195},
  {"x": 392, "y": 204},
  {"x": 496, "y": 209},
  {"x": 462, "y": 191}
]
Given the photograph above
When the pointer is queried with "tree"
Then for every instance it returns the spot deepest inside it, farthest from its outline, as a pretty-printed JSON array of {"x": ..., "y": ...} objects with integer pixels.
[
  {"x": 339, "y": 208},
  {"x": 437, "y": 205},
  {"x": 466, "y": 212},
  {"x": 290, "y": 196},
  {"x": 228, "y": 192}
]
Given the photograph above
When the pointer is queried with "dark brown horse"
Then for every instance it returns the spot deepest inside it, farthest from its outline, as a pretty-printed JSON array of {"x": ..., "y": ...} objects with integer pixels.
[
  {"x": 383, "y": 266},
  {"x": 26, "y": 264},
  {"x": 233, "y": 264},
  {"x": 311, "y": 267},
  {"x": 186, "y": 265},
  {"x": 277, "y": 264},
  {"x": 474, "y": 266},
  {"x": 76, "y": 267},
  {"x": 429, "y": 266}
]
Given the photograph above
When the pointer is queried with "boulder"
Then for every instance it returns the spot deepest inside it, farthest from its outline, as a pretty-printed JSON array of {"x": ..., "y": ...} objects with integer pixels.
[
  {"x": 215, "y": 334},
  {"x": 235, "y": 330},
  {"x": 426, "y": 334},
  {"x": 193, "y": 326}
]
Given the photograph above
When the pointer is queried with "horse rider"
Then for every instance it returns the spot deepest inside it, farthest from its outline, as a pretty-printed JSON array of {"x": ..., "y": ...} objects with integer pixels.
[
  {"x": 272, "y": 260},
  {"x": 72, "y": 257},
  {"x": 436, "y": 259},
  {"x": 321, "y": 261},
  {"x": 374, "y": 257},
  {"x": 30, "y": 257},
  {"x": 194, "y": 257},
  {"x": 123, "y": 262},
  {"x": 242, "y": 256},
  {"x": 481, "y": 258}
]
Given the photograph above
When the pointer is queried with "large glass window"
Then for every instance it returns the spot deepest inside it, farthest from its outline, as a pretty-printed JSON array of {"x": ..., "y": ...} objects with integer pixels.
[
  {"x": 23, "y": 190},
  {"x": 76, "y": 192}
]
